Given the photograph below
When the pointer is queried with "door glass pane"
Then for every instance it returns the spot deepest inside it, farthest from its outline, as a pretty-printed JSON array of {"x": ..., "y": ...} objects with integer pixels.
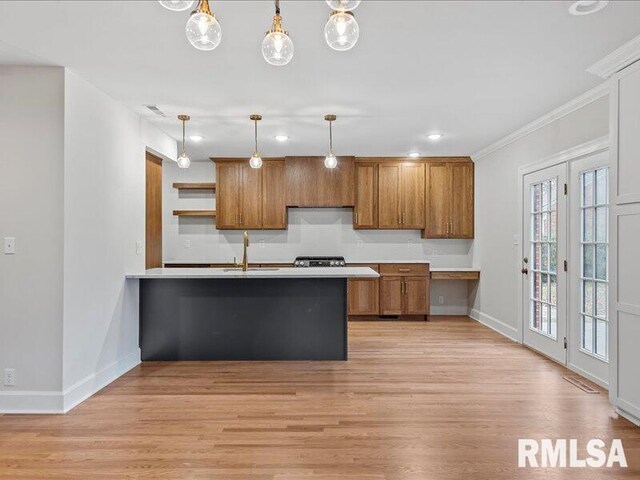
[
  {"x": 594, "y": 257},
  {"x": 587, "y": 261},
  {"x": 587, "y": 297},
  {"x": 601, "y": 187},
  {"x": 587, "y": 225},
  {"x": 543, "y": 277}
]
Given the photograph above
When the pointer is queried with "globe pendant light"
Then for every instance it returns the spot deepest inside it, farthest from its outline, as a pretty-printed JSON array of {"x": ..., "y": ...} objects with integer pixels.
[
  {"x": 343, "y": 5},
  {"x": 176, "y": 5},
  {"x": 277, "y": 47},
  {"x": 203, "y": 30},
  {"x": 330, "y": 161},
  {"x": 183, "y": 160},
  {"x": 255, "y": 161},
  {"x": 341, "y": 31}
]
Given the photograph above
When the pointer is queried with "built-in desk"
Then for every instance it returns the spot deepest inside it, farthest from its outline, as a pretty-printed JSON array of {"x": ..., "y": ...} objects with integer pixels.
[{"x": 439, "y": 273}]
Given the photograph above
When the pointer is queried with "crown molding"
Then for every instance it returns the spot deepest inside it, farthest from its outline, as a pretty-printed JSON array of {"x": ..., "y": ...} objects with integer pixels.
[
  {"x": 617, "y": 60},
  {"x": 580, "y": 101}
]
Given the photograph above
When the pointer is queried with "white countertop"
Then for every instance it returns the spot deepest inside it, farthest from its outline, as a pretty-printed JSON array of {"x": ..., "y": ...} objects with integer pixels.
[
  {"x": 266, "y": 262},
  {"x": 454, "y": 269},
  {"x": 289, "y": 272}
]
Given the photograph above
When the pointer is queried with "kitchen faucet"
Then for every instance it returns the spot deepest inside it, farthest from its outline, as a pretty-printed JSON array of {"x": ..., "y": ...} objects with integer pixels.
[{"x": 245, "y": 258}]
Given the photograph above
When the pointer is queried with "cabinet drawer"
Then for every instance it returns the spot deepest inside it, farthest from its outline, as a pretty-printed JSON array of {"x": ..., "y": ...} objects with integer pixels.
[
  {"x": 455, "y": 275},
  {"x": 404, "y": 269}
]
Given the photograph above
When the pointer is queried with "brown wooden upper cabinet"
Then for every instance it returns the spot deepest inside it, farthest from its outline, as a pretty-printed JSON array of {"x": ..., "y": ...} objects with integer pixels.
[
  {"x": 449, "y": 199},
  {"x": 310, "y": 184},
  {"x": 401, "y": 195},
  {"x": 249, "y": 198},
  {"x": 365, "y": 212}
]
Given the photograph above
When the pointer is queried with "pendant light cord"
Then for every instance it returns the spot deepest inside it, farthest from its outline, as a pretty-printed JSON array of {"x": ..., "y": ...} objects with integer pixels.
[
  {"x": 183, "y": 135},
  {"x": 330, "y": 137},
  {"x": 255, "y": 124},
  {"x": 277, "y": 2}
]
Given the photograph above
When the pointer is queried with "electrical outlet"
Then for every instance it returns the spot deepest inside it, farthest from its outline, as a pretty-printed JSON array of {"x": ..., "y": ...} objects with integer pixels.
[
  {"x": 360, "y": 244},
  {"x": 9, "y": 245},
  {"x": 187, "y": 244},
  {"x": 261, "y": 243},
  {"x": 139, "y": 247},
  {"x": 516, "y": 239},
  {"x": 434, "y": 253},
  {"x": 410, "y": 242},
  {"x": 441, "y": 300},
  {"x": 9, "y": 377}
]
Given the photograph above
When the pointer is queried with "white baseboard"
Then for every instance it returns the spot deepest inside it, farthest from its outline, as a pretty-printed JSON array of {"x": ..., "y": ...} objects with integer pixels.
[
  {"x": 495, "y": 324},
  {"x": 598, "y": 381},
  {"x": 629, "y": 416},
  {"x": 25, "y": 402},
  {"x": 51, "y": 402},
  {"x": 80, "y": 391}
]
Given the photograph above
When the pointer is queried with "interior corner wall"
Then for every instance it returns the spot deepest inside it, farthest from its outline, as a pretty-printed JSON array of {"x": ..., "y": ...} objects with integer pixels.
[
  {"x": 31, "y": 210},
  {"x": 104, "y": 217},
  {"x": 495, "y": 299}
]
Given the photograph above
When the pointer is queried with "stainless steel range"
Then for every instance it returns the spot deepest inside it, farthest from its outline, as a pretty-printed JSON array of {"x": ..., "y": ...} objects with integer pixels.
[{"x": 319, "y": 262}]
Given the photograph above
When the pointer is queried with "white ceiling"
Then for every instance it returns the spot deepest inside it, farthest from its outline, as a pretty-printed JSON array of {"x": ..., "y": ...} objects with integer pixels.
[{"x": 474, "y": 71}]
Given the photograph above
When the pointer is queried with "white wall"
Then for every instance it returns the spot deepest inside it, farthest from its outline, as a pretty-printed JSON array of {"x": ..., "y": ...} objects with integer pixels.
[
  {"x": 496, "y": 202},
  {"x": 320, "y": 231},
  {"x": 104, "y": 217},
  {"x": 72, "y": 192},
  {"x": 31, "y": 209}
]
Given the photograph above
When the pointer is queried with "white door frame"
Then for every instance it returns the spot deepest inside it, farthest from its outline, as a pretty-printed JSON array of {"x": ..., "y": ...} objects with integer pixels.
[{"x": 565, "y": 157}]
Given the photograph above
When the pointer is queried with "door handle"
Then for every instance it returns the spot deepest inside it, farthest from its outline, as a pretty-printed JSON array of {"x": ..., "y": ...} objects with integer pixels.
[{"x": 524, "y": 271}]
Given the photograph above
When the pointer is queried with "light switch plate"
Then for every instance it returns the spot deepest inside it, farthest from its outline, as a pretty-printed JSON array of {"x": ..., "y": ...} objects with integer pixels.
[
  {"x": 139, "y": 247},
  {"x": 187, "y": 244},
  {"x": 9, "y": 245},
  {"x": 441, "y": 300}
]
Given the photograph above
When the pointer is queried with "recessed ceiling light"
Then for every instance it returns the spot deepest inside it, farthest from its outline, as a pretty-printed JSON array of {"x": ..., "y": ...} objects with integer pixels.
[
  {"x": 196, "y": 138},
  {"x": 434, "y": 136},
  {"x": 414, "y": 154},
  {"x": 282, "y": 138},
  {"x": 587, "y": 7}
]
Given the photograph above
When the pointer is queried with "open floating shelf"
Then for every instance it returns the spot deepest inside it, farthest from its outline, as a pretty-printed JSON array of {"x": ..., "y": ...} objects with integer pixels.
[
  {"x": 195, "y": 186},
  {"x": 195, "y": 213}
]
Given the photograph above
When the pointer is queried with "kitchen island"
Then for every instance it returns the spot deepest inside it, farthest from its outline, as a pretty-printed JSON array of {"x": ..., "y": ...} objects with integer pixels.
[{"x": 259, "y": 314}]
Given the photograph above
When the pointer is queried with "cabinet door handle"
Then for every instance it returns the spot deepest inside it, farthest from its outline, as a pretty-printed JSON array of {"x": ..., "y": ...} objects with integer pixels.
[
  {"x": 399, "y": 219},
  {"x": 404, "y": 269},
  {"x": 355, "y": 214}
]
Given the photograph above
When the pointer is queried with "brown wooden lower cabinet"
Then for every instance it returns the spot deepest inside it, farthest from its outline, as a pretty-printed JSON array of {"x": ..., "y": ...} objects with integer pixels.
[{"x": 401, "y": 290}]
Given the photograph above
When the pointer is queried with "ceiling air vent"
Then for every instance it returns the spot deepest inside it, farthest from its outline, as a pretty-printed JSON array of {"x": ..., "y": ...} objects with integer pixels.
[{"x": 155, "y": 110}]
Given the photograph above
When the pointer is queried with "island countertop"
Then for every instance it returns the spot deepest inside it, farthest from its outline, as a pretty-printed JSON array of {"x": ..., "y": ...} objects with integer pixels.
[{"x": 287, "y": 272}]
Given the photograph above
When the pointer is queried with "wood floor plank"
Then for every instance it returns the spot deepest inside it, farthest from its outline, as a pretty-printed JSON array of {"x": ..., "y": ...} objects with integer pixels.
[{"x": 446, "y": 399}]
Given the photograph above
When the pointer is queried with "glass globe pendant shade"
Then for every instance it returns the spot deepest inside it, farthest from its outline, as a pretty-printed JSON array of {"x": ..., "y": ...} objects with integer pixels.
[
  {"x": 203, "y": 31},
  {"x": 176, "y": 5},
  {"x": 277, "y": 48},
  {"x": 343, "y": 5},
  {"x": 330, "y": 161},
  {"x": 183, "y": 161},
  {"x": 255, "y": 161},
  {"x": 341, "y": 31}
]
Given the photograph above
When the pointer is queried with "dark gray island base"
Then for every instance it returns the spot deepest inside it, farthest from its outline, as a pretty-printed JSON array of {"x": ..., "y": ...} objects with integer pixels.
[{"x": 243, "y": 319}]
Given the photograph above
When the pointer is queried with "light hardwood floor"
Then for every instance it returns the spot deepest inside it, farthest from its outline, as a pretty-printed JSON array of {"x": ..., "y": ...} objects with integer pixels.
[{"x": 445, "y": 400}]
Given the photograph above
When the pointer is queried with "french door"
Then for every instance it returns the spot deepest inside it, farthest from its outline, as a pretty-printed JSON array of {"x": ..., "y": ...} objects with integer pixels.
[
  {"x": 589, "y": 273},
  {"x": 544, "y": 252}
]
